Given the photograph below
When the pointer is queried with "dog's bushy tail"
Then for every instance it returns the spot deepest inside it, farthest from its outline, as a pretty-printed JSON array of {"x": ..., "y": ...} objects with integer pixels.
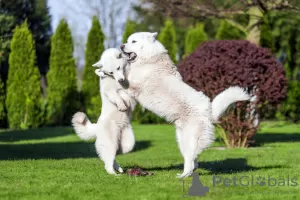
[
  {"x": 227, "y": 97},
  {"x": 84, "y": 129}
]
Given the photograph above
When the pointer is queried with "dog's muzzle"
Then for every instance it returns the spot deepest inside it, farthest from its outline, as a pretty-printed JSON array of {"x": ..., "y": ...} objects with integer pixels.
[
  {"x": 122, "y": 47},
  {"x": 121, "y": 80}
]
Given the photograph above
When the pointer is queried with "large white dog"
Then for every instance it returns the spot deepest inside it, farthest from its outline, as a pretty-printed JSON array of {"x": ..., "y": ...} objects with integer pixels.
[
  {"x": 113, "y": 131},
  {"x": 155, "y": 83}
]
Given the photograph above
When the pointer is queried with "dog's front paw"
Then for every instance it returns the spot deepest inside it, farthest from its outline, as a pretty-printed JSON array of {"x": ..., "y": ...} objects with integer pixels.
[
  {"x": 122, "y": 107},
  {"x": 127, "y": 101},
  {"x": 125, "y": 97},
  {"x": 79, "y": 117}
]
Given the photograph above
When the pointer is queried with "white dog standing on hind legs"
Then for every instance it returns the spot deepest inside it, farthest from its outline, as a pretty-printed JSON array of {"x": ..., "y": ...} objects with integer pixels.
[
  {"x": 156, "y": 84},
  {"x": 113, "y": 131}
]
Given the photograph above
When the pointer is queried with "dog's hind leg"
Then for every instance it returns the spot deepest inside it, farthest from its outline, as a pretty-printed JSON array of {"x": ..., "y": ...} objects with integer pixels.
[
  {"x": 126, "y": 144},
  {"x": 181, "y": 143},
  {"x": 185, "y": 138},
  {"x": 205, "y": 138},
  {"x": 106, "y": 152},
  {"x": 196, "y": 137},
  {"x": 179, "y": 137},
  {"x": 192, "y": 142},
  {"x": 127, "y": 140}
]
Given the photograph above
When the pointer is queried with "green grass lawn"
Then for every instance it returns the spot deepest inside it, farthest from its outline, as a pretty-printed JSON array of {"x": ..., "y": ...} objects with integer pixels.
[{"x": 52, "y": 163}]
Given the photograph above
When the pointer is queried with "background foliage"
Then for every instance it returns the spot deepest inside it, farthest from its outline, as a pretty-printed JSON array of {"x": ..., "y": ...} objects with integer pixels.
[
  {"x": 227, "y": 31},
  {"x": 194, "y": 37},
  {"x": 35, "y": 12},
  {"x": 285, "y": 31},
  {"x": 183, "y": 31},
  {"x": 62, "y": 96},
  {"x": 167, "y": 37},
  {"x": 23, "y": 87},
  {"x": 217, "y": 65},
  {"x": 90, "y": 82},
  {"x": 130, "y": 28}
]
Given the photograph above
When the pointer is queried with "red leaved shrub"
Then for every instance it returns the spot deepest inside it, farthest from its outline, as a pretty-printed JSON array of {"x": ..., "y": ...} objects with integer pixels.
[{"x": 217, "y": 65}]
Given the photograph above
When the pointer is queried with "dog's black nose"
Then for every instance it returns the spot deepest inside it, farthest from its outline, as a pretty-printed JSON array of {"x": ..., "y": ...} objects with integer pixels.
[
  {"x": 122, "y": 46},
  {"x": 121, "y": 80}
]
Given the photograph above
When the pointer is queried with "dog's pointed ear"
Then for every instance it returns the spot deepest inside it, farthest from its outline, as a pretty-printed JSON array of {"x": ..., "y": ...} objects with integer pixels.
[
  {"x": 98, "y": 64},
  {"x": 118, "y": 55},
  {"x": 153, "y": 36}
]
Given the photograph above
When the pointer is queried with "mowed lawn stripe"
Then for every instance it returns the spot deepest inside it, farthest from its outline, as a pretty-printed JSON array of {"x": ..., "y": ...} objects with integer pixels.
[{"x": 52, "y": 163}]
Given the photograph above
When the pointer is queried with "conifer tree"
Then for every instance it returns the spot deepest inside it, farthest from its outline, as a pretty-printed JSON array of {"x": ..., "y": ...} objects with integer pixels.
[
  {"x": 62, "y": 96},
  {"x": 129, "y": 29},
  {"x": 90, "y": 82},
  {"x": 35, "y": 12},
  {"x": 194, "y": 37},
  {"x": 286, "y": 30},
  {"x": 2, "y": 105},
  {"x": 266, "y": 37},
  {"x": 23, "y": 84},
  {"x": 167, "y": 37},
  {"x": 227, "y": 31}
]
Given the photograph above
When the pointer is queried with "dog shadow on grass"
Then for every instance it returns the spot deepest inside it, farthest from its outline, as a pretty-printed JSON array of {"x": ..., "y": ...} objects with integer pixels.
[
  {"x": 30, "y": 149},
  {"x": 227, "y": 166},
  {"x": 53, "y": 150},
  {"x": 35, "y": 134}
]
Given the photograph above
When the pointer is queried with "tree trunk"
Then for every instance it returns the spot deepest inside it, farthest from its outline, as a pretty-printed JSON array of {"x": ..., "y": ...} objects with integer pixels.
[{"x": 253, "y": 28}]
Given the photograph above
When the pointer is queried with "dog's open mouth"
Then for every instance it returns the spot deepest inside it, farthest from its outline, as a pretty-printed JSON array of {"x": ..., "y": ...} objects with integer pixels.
[{"x": 130, "y": 56}]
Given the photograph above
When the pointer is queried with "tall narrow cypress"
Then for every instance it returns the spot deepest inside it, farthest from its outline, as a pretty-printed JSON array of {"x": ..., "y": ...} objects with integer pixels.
[
  {"x": 90, "y": 83},
  {"x": 62, "y": 96},
  {"x": 167, "y": 37},
  {"x": 130, "y": 28},
  {"x": 23, "y": 84},
  {"x": 194, "y": 37},
  {"x": 227, "y": 31}
]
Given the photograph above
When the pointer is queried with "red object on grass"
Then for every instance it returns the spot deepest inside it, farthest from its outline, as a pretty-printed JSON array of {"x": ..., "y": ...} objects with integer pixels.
[{"x": 138, "y": 172}]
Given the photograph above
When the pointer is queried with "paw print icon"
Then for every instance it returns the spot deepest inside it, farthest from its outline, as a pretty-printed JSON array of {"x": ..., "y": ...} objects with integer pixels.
[
  {"x": 197, "y": 188},
  {"x": 260, "y": 181}
]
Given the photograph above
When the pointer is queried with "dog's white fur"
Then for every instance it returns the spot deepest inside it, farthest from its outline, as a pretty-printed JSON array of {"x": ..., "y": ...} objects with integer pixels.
[
  {"x": 155, "y": 83},
  {"x": 113, "y": 131}
]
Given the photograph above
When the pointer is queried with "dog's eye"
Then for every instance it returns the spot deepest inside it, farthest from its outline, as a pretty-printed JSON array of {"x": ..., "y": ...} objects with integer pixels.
[
  {"x": 111, "y": 73},
  {"x": 133, "y": 41},
  {"x": 118, "y": 68}
]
